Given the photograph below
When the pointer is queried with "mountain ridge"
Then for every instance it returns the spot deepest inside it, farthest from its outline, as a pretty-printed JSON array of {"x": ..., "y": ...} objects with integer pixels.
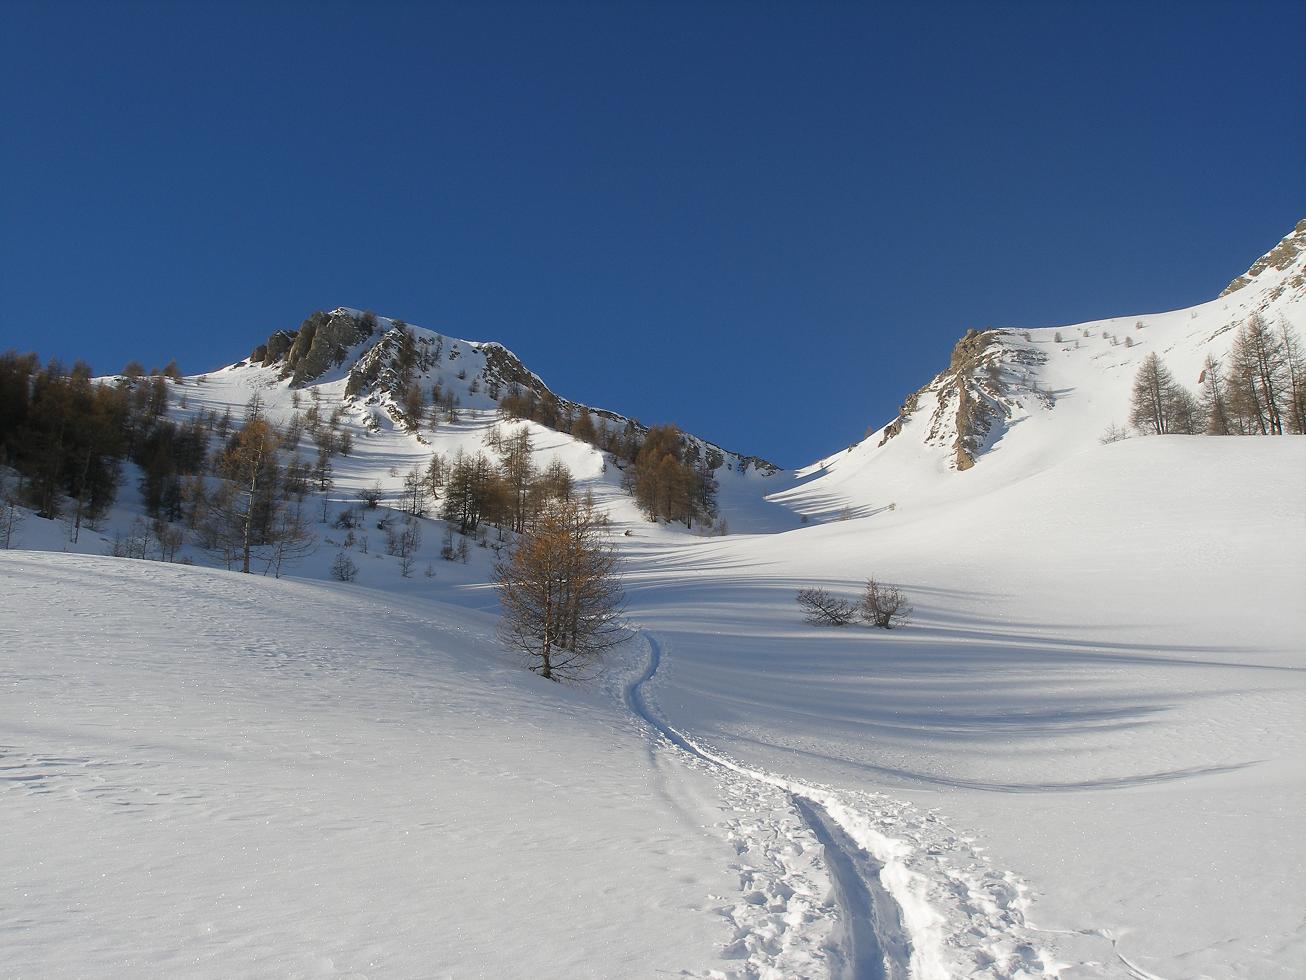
[
  {"x": 992, "y": 376},
  {"x": 368, "y": 347}
]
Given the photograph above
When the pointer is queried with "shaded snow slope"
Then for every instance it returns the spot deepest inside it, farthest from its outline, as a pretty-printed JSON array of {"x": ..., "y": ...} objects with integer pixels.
[{"x": 1105, "y": 681}]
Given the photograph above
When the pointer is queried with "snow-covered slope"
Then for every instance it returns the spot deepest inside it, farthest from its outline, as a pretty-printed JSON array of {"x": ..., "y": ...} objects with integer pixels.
[
  {"x": 1014, "y": 402},
  {"x": 1104, "y": 686},
  {"x": 1081, "y": 759},
  {"x": 204, "y": 774},
  {"x": 356, "y": 373}
]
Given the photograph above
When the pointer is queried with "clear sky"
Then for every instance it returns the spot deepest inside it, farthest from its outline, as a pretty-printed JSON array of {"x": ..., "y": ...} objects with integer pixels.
[{"x": 766, "y": 222}]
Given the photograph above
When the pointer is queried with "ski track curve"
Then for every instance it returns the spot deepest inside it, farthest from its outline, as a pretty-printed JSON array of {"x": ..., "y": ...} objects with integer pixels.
[
  {"x": 869, "y": 942},
  {"x": 907, "y": 897}
]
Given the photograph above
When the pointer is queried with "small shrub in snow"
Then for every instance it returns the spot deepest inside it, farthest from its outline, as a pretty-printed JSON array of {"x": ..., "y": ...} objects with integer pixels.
[
  {"x": 343, "y": 568},
  {"x": 822, "y": 608},
  {"x": 884, "y": 606},
  {"x": 1113, "y": 433}
]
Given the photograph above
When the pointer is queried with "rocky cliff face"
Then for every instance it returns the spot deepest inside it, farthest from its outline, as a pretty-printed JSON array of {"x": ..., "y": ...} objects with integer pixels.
[
  {"x": 322, "y": 342},
  {"x": 1286, "y": 258},
  {"x": 987, "y": 378}
]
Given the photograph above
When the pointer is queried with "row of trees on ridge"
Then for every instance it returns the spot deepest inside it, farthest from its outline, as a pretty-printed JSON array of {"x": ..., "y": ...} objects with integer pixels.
[{"x": 1259, "y": 388}]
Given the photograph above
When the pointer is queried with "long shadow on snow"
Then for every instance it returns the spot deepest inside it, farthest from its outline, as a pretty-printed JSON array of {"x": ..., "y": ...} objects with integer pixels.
[{"x": 744, "y": 655}]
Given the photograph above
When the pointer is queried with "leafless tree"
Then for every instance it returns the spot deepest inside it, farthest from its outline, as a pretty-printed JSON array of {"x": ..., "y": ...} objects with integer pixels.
[
  {"x": 1294, "y": 358},
  {"x": 884, "y": 606},
  {"x": 823, "y": 608},
  {"x": 343, "y": 568},
  {"x": 416, "y": 492},
  {"x": 169, "y": 540},
  {"x": 561, "y": 593},
  {"x": 1112, "y": 433},
  {"x": 1215, "y": 404},
  {"x": 1161, "y": 405},
  {"x": 1258, "y": 375},
  {"x": 11, "y": 516},
  {"x": 289, "y": 540}
]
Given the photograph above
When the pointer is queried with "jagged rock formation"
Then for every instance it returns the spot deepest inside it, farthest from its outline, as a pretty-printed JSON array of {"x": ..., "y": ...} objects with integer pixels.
[
  {"x": 1281, "y": 258},
  {"x": 986, "y": 379},
  {"x": 322, "y": 342},
  {"x": 465, "y": 373}
]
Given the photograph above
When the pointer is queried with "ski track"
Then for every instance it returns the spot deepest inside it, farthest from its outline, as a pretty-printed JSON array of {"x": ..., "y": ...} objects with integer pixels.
[
  {"x": 920, "y": 905},
  {"x": 872, "y": 941},
  {"x": 868, "y": 942}
]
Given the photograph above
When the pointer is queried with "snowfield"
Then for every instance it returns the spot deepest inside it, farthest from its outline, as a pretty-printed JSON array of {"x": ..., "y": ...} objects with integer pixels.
[
  {"x": 1082, "y": 758},
  {"x": 1085, "y": 690},
  {"x": 205, "y": 774}
]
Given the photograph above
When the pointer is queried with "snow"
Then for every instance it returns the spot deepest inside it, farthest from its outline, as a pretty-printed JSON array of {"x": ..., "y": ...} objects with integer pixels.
[
  {"x": 211, "y": 775},
  {"x": 1082, "y": 758},
  {"x": 1078, "y": 691}
]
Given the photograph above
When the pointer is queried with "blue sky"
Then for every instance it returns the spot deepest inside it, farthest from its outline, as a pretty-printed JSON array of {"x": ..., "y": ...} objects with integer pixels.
[{"x": 766, "y": 222}]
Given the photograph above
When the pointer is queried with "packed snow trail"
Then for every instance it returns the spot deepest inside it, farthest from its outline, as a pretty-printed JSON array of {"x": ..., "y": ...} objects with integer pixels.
[
  {"x": 870, "y": 942},
  {"x": 874, "y": 943}
]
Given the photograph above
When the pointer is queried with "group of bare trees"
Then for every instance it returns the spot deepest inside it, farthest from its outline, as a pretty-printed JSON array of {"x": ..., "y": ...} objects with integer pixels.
[
  {"x": 880, "y": 605},
  {"x": 621, "y": 440},
  {"x": 1258, "y": 389},
  {"x": 67, "y": 436},
  {"x": 670, "y": 477},
  {"x": 251, "y": 507},
  {"x": 670, "y": 480},
  {"x": 507, "y": 494}
]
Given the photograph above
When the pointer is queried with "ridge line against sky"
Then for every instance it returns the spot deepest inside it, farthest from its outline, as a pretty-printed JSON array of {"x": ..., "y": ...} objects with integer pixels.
[{"x": 767, "y": 223}]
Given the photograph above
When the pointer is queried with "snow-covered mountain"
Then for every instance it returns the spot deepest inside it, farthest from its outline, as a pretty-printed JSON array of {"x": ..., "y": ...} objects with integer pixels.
[
  {"x": 1014, "y": 401},
  {"x": 383, "y": 358},
  {"x": 1081, "y": 759}
]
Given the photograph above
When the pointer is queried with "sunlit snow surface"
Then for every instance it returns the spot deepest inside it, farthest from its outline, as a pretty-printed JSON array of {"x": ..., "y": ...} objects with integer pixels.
[
  {"x": 203, "y": 774},
  {"x": 1083, "y": 756}
]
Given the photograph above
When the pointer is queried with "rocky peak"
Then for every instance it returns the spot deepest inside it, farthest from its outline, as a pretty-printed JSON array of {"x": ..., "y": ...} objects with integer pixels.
[
  {"x": 1289, "y": 256},
  {"x": 322, "y": 342},
  {"x": 390, "y": 357},
  {"x": 987, "y": 379}
]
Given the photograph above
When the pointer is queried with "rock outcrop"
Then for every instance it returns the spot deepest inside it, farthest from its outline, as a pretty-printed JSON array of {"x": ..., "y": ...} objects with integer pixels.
[
  {"x": 323, "y": 341},
  {"x": 1281, "y": 258},
  {"x": 986, "y": 379}
]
